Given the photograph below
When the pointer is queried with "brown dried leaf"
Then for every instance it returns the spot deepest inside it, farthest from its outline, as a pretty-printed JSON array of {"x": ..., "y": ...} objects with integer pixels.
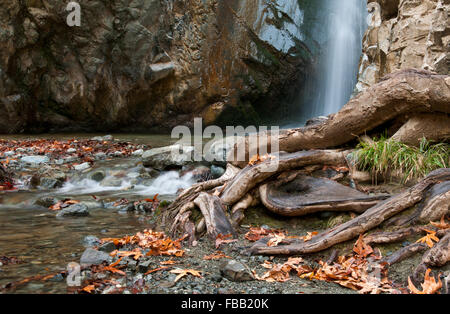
[{"x": 429, "y": 286}]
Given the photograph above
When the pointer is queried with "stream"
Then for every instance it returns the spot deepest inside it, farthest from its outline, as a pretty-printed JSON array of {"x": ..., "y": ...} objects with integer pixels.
[{"x": 46, "y": 244}]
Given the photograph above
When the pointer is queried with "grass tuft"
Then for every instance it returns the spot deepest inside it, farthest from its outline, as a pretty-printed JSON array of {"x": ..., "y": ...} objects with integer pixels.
[{"x": 385, "y": 156}]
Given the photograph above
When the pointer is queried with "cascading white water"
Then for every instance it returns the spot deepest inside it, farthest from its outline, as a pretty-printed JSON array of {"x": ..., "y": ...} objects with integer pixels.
[{"x": 340, "y": 58}]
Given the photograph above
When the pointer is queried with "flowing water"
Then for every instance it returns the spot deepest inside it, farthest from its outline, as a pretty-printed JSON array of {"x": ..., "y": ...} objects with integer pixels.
[
  {"x": 333, "y": 31},
  {"x": 47, "y": 244},
  {"x": 346, "y": 29}
]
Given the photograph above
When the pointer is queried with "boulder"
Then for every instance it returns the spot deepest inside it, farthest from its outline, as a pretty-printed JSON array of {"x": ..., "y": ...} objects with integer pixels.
[
  {"x": 93, "y": 257},
  {"x": 168, "y": 157},
  {"x": 236, "y": 271},
  {"x": 76, "y": 210}
]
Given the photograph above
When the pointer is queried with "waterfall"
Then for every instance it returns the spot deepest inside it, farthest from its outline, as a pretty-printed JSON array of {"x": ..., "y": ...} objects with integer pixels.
[
  {"x": 346, "y": 27},
  {"x": 341, "y": 54},
  {"x": 337, "y": 26}
]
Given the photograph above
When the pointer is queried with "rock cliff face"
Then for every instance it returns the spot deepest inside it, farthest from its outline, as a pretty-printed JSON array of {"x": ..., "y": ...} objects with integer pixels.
[
  {"x": 405, "y": 34},
  {"x": 142, "y": 65}
]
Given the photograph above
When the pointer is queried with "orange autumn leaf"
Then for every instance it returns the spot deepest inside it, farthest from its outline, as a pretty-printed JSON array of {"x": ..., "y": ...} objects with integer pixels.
[
  {"x": 429, "y": 286},
  {"x": 256, "y": 234},
  {"x": 157, "y": 243},
  {"x": 57, "y": 206},
  {"x": 184, "y": 272},
  {"x": 361, "y": 248},
  {"x": 309, "y": 236},
  {"x": 215, "y": 256},
  {"x": 429, "y": 238},
  {"x": 442, "y": 224},
  {"x": 116, "y": 263},
  {"x": 155, "y": 270},
  {"x": 89, "y": 288},
  {"x": 114, "y": 270},
  {"x": 280, "y": 272},
  {"x": 169, "y": 262},
  {"x": 276, "y": 239},
  {"x": 224, "y": 239},
  {"x": 256, "y": 159}
]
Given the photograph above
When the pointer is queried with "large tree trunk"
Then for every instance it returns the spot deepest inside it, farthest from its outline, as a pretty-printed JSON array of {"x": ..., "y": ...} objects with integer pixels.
[{"x": 407, "y": 92}]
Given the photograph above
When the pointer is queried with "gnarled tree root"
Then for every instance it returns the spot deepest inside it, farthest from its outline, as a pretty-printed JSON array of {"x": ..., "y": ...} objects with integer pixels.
[
  {"x": 251, "y": 176},
  {"x": 435, "y": 205},
  {"x": 175, "y": 214},
  {"x": 214, "y": 213},
  {"x": 361, "y": 224},
  {"x": 437, "y": 256},
  {"x": 305, "y": 195},
  {"x": 405, "y": 253}
]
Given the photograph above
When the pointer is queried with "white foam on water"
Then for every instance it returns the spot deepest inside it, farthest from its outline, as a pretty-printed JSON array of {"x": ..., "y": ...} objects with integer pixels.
[{"x": 168, "y": 183}]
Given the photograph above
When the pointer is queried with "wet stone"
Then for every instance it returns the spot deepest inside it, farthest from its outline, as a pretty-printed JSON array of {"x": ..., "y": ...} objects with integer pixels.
[
  {"x": 76, "y": 210},
  {"x": 107, "y": 247},
  {"x": 217, "y": 172},
  {"x": 98, "y": 175},
  {"x": 94, "y": 257},
  {"x": 90, "y": 241},
  {"x": 35, "y": 159},
  {"x": 144, "y": 266},
  {"x": 82, "y": 167},
  {"x": 46, "y": 202}
]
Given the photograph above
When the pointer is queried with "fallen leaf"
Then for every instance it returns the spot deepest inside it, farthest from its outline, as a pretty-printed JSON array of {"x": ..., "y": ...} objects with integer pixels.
[
  {"x": 429, "y": 286},
  {"x": 224, "y": 239},
  {"x": 89, "y": 288},
  {"x": 361, "y": 248},
  {"x": 169, "y": 262},
  {"x": 442, "y": 224},
  {"x": 429, "y": 238},
  {"x": 114, "y": 270},
  {"x": 184, "y": 272},
  {"x": 309, "y": 236},
  {"x": 155, "y": 270},
  {"x": 276, "y": 239},
  {"x": 216, "y": 256}
]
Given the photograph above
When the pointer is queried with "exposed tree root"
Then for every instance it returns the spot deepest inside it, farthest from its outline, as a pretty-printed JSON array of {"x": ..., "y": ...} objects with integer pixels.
[
  {"x": 214, "y": 213},
  {"x": 438, "y": 255},
  {"x": 174, "y": 216},
  {"x": 434, "y": 127},
  {"x": 306, "y": 195},
  {"x": 405, "y": 253},
  {"x": 251, "y": 176},
  {"x": 361, "y": 224},
  {"x": 435, "y": 205},
  {"x": 391, "y": 237},
  {"x": 417, "y": 100},
  {"x": 238, "y": 209}
]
